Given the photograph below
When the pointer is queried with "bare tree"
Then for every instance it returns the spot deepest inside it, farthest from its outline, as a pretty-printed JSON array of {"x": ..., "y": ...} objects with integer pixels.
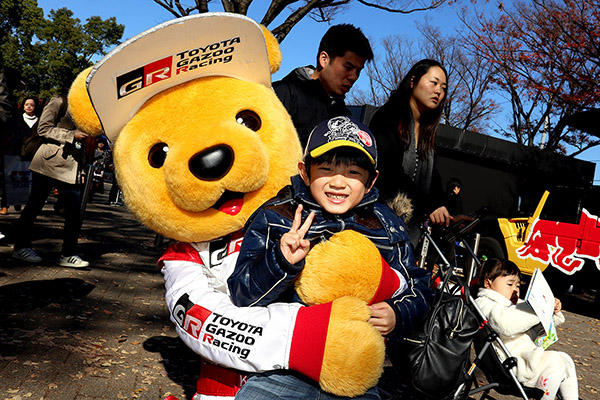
[
  {"x": 385, "y": 75},
  {"x": 546, "y": 55},
  {"x": 468, "y": 103},
  {"x": 296, "y": 10}
]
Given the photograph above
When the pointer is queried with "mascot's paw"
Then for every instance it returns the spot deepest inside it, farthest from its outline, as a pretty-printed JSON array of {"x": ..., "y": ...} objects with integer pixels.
[
  {"x": 354, "y": 350},
  {"x": 335, "y": 345},
  {"x": 348, "y": 264}
]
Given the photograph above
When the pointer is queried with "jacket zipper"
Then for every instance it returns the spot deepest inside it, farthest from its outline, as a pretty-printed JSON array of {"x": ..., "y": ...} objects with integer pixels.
[
  {"x": 341, "y": 222},
  {"x": 455, "y": 329}
]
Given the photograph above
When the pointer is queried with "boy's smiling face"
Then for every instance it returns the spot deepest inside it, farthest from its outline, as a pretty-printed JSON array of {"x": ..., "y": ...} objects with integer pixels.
[{"x": 337, "y": 187}]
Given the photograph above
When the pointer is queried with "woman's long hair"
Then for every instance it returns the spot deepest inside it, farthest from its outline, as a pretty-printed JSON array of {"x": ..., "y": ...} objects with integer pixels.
[{"x": 398, "y": 107}]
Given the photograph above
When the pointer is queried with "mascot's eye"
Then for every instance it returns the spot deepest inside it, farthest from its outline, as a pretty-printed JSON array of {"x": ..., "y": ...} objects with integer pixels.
[
  {"x": 249, "y": 119},
  {"x": 157, "y": 155}
]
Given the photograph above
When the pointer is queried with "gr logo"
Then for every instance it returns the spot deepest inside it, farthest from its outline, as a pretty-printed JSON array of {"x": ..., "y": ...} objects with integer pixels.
[
  {"x": 130, "y": 82},
  {"x": 142, "y": 77},
  {"x": 190, "y": 316},
  {"x": 181, "y": 308},
  {"x": 192, "y": 325}
]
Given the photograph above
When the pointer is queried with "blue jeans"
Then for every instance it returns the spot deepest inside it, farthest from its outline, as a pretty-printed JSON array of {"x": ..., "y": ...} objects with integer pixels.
[{"x": 288, "y": 385}]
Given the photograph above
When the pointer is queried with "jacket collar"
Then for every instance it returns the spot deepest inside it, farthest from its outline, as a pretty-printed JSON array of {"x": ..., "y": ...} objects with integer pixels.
[
  {"x": 303, "y": 195},
  {"x": 304, "y": 75}
]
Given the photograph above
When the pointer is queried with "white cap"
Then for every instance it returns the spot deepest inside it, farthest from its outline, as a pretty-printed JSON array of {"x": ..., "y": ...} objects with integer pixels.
[{"x": 172, "y": 53}]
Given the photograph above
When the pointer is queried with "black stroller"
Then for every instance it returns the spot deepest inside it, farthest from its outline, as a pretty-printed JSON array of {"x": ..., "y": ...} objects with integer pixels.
[{"x": 456, "y": 340}]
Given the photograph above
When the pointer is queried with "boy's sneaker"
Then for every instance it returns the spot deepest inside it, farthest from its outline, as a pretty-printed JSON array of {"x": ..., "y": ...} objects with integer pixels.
[
  {"x": 26, "y": 254},
  {"x": 72, "y": 261}
]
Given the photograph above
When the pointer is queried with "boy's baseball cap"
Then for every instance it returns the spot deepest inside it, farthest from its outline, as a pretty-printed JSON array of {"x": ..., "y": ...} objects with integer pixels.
[{"x": 341, "y": 131}]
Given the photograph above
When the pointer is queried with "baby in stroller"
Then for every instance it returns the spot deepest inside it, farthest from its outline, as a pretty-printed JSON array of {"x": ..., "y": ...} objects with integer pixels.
[{"x": 518, "y": 327}]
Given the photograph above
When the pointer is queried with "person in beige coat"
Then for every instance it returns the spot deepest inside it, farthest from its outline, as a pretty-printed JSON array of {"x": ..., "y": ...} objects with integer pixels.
[{"x": 57, "y": 163}]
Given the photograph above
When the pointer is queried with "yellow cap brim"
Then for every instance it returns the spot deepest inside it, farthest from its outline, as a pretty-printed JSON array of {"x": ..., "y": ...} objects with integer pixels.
[{"x": 319, "y": 151}]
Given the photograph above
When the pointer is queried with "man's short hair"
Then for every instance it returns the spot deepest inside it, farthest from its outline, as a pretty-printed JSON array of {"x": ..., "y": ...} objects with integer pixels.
[{"x": 342, "y": 38}]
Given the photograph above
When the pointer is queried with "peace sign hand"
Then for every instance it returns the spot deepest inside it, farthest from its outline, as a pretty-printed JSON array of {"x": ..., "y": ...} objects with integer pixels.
[{"x": 292, "y": 244}]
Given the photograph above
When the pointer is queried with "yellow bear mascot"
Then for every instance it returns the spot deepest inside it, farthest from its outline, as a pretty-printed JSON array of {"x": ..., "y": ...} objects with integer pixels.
[{"x": 200, "y": 143}]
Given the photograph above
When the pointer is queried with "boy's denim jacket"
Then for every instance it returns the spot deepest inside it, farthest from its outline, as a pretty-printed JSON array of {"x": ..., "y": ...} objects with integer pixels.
[{"x": 263, "y": 276}]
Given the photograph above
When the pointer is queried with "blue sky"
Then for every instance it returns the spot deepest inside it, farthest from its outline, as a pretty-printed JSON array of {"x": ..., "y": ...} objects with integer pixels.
[{"x": 300, "y": 46}]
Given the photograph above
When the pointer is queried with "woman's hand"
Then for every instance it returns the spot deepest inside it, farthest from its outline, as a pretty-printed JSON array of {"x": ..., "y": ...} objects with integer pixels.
[
  {"x": 80, "y": 135},
  {"x": 440, "y": 216}
]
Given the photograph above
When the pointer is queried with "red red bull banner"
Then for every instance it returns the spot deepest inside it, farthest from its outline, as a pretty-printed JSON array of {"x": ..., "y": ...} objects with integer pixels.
[{"x": 564, "y": 245}]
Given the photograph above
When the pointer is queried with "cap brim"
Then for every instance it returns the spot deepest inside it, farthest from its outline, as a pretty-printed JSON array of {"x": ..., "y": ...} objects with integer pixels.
[
  {"x": 177, "y": 51},
  {"x": 319, "y": 151}
]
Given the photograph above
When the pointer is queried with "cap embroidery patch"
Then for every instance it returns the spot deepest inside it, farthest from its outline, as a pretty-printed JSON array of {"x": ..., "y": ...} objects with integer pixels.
[
  {"x": 341, "y": 131},
  {"x": 342, "y": 128},
  {"x": 365, "y": 138}
]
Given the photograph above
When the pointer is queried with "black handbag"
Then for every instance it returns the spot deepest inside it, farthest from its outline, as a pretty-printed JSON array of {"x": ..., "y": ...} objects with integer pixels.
[{"x": 438, "y": 352}]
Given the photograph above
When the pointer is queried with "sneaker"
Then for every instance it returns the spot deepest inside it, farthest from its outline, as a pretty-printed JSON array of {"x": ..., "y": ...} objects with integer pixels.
[
  {"x": 26, "y": 254},
  {"x": 72, "y": 261}
]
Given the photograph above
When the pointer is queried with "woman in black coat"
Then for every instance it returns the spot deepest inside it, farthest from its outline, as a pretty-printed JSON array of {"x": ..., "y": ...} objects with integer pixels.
[
  {"x": 405, "y": 128},
  {"x": 18, "y": 129},
  {"x": 24, "y": 122}
]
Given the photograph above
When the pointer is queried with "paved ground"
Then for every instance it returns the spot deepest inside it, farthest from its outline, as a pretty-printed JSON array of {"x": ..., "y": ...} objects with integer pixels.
[{"x": 104, "y": 332}]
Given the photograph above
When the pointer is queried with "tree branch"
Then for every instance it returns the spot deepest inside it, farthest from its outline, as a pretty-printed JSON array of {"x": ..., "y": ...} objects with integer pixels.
[
  {"x": 593, "y": 143},
  {"x": 282, "y": 30},
  {"x": 275, "y": 8},
  {"x": 168, "y": 5},
  {"x": 434, "y": 4}
]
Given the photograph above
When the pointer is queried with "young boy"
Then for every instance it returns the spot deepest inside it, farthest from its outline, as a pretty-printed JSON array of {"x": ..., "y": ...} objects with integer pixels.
[
  {"x": 333, "y": 192},
  {"x": 518, "y": 326}
]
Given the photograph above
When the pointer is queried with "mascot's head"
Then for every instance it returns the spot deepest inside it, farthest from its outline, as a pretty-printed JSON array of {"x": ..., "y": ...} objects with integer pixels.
[{"x": 201, "y": 140}]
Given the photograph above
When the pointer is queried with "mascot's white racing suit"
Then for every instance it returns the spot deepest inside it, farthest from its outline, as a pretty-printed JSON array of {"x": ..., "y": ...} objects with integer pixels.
[{"x": 249, "y": 339}]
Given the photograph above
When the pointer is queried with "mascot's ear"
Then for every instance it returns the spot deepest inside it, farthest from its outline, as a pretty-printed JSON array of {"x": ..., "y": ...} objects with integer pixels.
[
  {"x": 80, "y": 106},
  {"x": 272, "y": 49}
]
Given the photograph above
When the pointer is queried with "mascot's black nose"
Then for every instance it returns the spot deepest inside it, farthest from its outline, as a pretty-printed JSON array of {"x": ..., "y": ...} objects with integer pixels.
[{"x": 213, "y": 163}]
